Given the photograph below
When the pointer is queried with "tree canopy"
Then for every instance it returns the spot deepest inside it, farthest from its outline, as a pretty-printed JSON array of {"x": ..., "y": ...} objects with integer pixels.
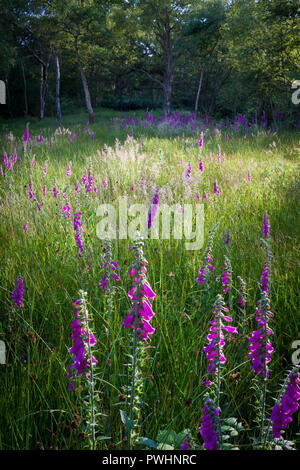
[{"x": 216, "y": 56}]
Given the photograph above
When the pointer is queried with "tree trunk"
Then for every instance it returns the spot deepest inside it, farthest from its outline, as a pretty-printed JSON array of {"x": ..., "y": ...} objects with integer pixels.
[
  {"x": 25, "y": 89},
  {"x": 85, "y": 87},
  {"x": 43, "y": 87},
  {"x": 298, "y": 121},
  {"x": 168, "y": 75},
  {"x": 199, "y": 90},
  {"x": 273, "y": 114},
  {"x": 167, "y": 87},
  {"x": 9, "y": 108},
  {"x": 58, "y": 108}
]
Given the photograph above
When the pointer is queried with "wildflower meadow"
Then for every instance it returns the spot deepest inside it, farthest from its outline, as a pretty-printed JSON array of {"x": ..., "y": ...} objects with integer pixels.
[
  {"x": 149, "y": 231},
  {"x": 141, "y": 343}
]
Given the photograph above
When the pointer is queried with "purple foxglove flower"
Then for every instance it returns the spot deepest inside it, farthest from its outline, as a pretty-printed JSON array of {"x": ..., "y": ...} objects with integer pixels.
[
  {"x": 216, "y": 188},
  {"x": 78, "y": 232},
  {"x": 282, "y": 412},
  {"x": 209, "y": 425},
  {"x": 264, "y": 278},
  {"x": 31, "y": 193},
  {"x": 260, "y": 346},
  {"x": 140, "y": 303},
  {"x": 266, "y": 225},
  {"x": 189, "y": 171},
  {"x": 82, "y": 338},
  {"x": 18, "y": 292},
  {"x": 227, "y": 238},
  {"x": 154, "y": 208},
  {"x": 109, "y": 267},
  {"x": 55, "y": 191},
  {"x": 185, "y": 445},
  {"x": 68, "y": 171},
  {"x": 26, "y": 135},
  {"x": 67, "y": 209},
  {"x": 225, "y": 280},
  {"x": 214, "y": 349},
  {"x": 45, "y": 170}
]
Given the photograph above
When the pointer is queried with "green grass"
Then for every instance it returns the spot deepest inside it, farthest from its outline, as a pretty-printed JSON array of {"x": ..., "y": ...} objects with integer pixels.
[{"x": 36, "y": 408}]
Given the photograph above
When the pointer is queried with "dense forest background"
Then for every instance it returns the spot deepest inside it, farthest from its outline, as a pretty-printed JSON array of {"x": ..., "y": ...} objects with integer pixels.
[{"x": 219, "y": 57}]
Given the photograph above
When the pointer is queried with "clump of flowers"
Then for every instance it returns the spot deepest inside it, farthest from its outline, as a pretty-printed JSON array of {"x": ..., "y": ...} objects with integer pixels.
[
  {"x": 17, "y": 294},
  {"x": 282, "y": 412}
]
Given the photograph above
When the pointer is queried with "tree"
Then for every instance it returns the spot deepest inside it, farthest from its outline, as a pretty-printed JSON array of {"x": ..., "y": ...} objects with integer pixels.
[{"x": 160, "y": 23}]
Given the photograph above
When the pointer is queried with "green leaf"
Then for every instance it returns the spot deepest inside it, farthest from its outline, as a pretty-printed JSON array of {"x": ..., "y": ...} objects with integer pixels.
[
  {"x": 147, "y": 442},
  {"x": 166, "y": 437},
  {"x": 165, "y": 447}
]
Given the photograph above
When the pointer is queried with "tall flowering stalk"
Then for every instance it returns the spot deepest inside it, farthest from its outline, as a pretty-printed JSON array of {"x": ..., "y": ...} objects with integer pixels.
[
  {"x": 215, "y": 350},
  {"x": 84, "y": 361},
  {"x": 110, "y": 271},
  {"x": 227, "y": 280},
  {"x": 266, "y": 225},
  {"x": 242, "y": 301},
  {"x": 260, "y": 344},
  {"x": 78, "y": 232},
  {"x": 207, "y": 266},
  {"x": 227, "y": 238},
  {"x": 138, "y": 319},
  {"x": 153, "y": 208},
  {"x": 189, "y": 171}
]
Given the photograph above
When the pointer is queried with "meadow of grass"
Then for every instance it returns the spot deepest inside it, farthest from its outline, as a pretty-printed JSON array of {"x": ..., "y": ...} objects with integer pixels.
[{"x": 36, "y": 408}]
